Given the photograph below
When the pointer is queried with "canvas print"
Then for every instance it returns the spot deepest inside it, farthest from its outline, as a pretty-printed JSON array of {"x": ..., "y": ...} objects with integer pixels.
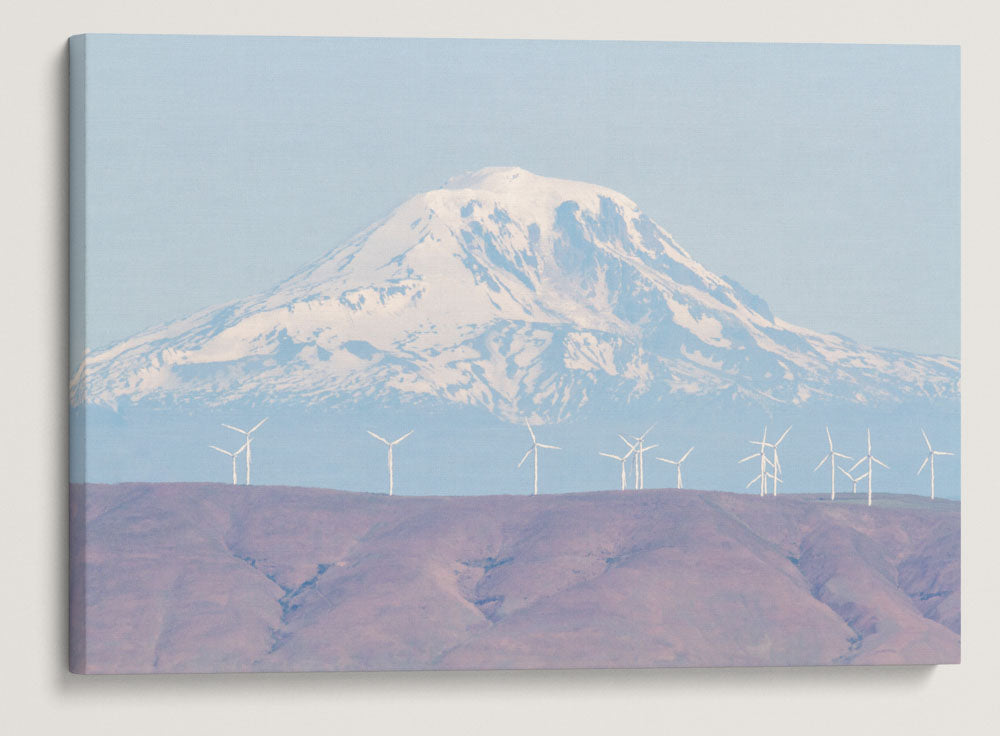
[{"x": 463, "y": 354}]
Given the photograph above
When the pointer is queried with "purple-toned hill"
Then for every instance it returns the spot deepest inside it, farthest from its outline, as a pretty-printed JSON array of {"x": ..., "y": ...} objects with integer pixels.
[{"x": 207, "y": 577}]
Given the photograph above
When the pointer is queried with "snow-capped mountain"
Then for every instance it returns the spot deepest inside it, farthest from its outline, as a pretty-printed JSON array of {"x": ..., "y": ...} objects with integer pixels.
[{"x": 522, "y": 295}]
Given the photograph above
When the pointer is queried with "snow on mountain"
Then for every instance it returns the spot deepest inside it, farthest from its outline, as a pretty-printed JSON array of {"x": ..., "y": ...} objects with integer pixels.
[{"x": 523, "y": 295}]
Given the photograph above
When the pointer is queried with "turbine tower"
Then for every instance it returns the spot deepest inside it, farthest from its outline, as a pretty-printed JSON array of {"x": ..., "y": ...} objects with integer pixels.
[
  {"x": 832, "y": 457},
  {"x": 871, "y": 459},
  {"x": 622, "y": 460},
  {"x": 680, "y": 481},
  {"x": 640, "y": 467},
  {"x": 390, "y": 445},
  {"x": 247, "y": 433},
  {"x": 854, "y": 481},
  {"x": 535, "y": 445},
  {"x": 931, "y": 452},
  {"x": 233, "y": 455},
  {"x": 764, "y": 462}
]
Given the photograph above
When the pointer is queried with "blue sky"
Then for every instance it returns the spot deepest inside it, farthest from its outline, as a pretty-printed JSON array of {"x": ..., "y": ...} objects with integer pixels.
[{"x": 823, "y": 177}]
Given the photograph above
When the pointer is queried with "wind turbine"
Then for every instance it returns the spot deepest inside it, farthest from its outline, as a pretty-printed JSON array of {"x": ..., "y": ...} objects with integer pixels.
[
  {"x": 390, "y": 446},
  {"x": 535, "y": 444},
  {"x": 854, "y": 480},
  {"x": 640, "y": 468},
  {"x": 680, "y": 482},
  {"x": 764, "y": 462},
  {"x": 233, "y": 455},
  {"x": 633, "y": 450},
  {"x": 832, "y": 457},
  {"x": 776, "y": 467},
  {"x": 871, "y": 459},
  {"x": 247, "y": 433},
  {"x": 621, "y": 459},
  {"x": 931, "y": 452},
  {"x": 642, "y": 465}
]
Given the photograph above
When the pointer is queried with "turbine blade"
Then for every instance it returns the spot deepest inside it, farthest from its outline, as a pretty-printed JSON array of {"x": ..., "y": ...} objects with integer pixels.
[
  {"x": 646, "y": 449},
  {"x": 821, "y": 463},
  {"x": 931, "y": 449},
  {"x": 942, "y": 452},
  {"x": 530, "y": 430},
  {"x": 846, "y": 473},
  {"x": 922, "y": 465},
  {"x": 862, "y": 476},
  {"x": 613, "y": 457},
  {"x": 753, "y": 481},
  {"x": 230, "y": 426},
  {"x": 840, "y": 454},
  {"x": 548, "y": 447},
  {"x": 829, "y": 438},
  {"x": 876, "y": 460},
  {"x": 219, "y": 449},
  {"x": 684, "y": 457},
  {"x": 869, "y": 441},
  {"x": 783, "y": 435},
  {"x": 525, "y": 457},
  {"x": 396, "y": 442},
  {"x": 257, "y": 425},
  {"x": 380, "y": 439},
  {"x": 643, "y": 435},
  {"x": 748, "y": 457},
  {"x": 672, "y": 462},
  {"x": 858, "y": 463}
]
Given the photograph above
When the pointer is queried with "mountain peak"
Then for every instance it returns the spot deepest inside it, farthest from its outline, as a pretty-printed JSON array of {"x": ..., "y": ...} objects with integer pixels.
[
  {"x": 510, "y": 291},
  {"x": 544, "y": 193},
  {"x": 491, "y": 178}
]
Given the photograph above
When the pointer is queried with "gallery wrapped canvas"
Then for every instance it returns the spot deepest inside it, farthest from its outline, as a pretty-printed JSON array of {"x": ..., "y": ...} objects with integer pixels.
[{"x": 454, "y": 354}]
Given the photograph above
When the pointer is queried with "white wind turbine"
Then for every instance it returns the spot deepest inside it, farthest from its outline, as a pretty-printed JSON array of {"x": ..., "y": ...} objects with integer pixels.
[
  {"x": 931, "y": 452},
  {"x": 776, "y": 466},
  {"x": 775, "y": 473},
  {"x": 832, "y": 457},
  {"x": 854, "y": 481},
  {"x": 247, "y": 433},
  {"x": 233, "y": 455},
  {"x": 642, "y": 465},
  {"x": 390, "y": 445},
  {"x": 640, "y": 451},
  {"x": 680, "y": 481},
  {"x": 622, "y": 460},
  {"x": 764, "y": 462},
  {"x": 871, "y": 459},
  {"x": 535, "y": 445}
]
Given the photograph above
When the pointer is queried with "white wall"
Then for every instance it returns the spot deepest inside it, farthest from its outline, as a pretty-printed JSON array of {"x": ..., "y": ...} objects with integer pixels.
[{"x": 37, "y": 694}]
